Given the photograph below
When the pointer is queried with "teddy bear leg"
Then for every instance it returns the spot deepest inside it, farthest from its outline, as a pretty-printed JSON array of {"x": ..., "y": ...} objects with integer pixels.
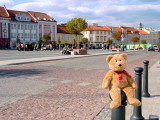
[
  {"x": 129, "y": 91},
  {"x": 115, "y": 93}
]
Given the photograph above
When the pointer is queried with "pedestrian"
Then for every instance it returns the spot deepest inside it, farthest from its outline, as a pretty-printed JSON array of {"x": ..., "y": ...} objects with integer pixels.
[
  {"x": 125, "y": 48},
  {"x": 107, "y": 47},
  {"x": 19, "y": 47}
]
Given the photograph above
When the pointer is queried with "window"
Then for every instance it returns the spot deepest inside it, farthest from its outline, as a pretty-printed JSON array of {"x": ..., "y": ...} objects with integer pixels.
[
  {"x": 91, "y": 32},
  {"x": 19, "y": 26},
  {"x": 48, "y": 26},
  {"x": 104, "y": 38},
  {"x": 101, "y": 32},
  {"x": 45, "y": 27},
  {"x": 65, "y": 37},
  {"x": 34, "y": 27},
  {"x": 40, "y": 26},
  {"x": 25, "y": 35},
  {"x": 97, "y": 38},
  {"x": 25, "y": 27},
  {"x": 68, "y": 38},
  {"x": 11, "y": 26},
  {"x": 101, "y": 38},
  {"x": 22, "y": 35},
  {"x": 97, "y": 32},
  {"x": 31, "y": 27},
  {"x": 34, "y": 36},
  {"x": 53, "y": 27},
  {"x": 62, "y": 37},
  {"x": 14, "y": 26},
  {"x": 104, "y": 32}
]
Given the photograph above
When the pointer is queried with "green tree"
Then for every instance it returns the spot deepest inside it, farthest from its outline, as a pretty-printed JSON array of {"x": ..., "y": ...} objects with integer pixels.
[
  {"x": 109, "y": 41},
  {"x": 84, "y": 40},
  {"x": 59, "y": 42},
  {"x": 143, "y": 41},
  {"x": 134, "y": 39},
  {"x": 76, "y": 25},
  {"x": 117, "y": 36},
  {"x": 18, "y": 40},
  {"x": 46, "y": 38}
]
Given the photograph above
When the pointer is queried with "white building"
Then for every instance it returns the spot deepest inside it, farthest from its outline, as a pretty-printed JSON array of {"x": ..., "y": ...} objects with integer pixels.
[{"x": 97, "y": 35}]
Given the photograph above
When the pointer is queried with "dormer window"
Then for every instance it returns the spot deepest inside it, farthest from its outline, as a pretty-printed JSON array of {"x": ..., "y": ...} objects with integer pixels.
[
  {"x": 45, "y": 19},
  {"x": 23, "y": 17}
]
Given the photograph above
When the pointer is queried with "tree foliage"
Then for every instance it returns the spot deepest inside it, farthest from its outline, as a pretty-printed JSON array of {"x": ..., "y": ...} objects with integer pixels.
[
  {"x": 109, "y": 41},
  {"x": 117, "y": 36},
  {"x": 143, "y": 41},
  {"x": 46, "y": 38},
  {"x": 76, "y": 25},
  {"x": 134, "y": 39},
  {"x": 84, "y": 40}
]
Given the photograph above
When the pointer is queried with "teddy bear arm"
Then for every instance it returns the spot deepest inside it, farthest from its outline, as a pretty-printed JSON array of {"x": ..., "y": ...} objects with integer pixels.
[
  {"x": 132, "y": 83},
  {"x": 106, "y": 81}
]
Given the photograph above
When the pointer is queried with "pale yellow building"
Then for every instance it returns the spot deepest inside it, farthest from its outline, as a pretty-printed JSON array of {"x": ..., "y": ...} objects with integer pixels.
[{"x": 64, "y": 37}]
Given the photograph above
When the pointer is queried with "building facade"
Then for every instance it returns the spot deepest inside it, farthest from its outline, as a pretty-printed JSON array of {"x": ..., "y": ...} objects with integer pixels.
[
  {"x": 64, "y": 37},
  {"x": 97, "y": 35},
  {"x": 4, "y": 28},
  {"x": 27, "y": 27},
  {"x": 46, "y": 25}
]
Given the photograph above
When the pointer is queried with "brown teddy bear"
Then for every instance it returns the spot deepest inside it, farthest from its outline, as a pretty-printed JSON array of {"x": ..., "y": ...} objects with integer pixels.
[{"x": 118, "y": 79}]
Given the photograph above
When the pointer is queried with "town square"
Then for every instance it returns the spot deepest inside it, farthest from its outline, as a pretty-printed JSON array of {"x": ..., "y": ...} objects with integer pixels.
[{"x": 79, "y": 60}]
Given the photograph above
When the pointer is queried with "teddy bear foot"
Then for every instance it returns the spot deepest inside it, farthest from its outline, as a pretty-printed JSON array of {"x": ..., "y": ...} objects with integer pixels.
[
  {"x": 134, "y": 102},
  {"x": 114, "y": 104}
]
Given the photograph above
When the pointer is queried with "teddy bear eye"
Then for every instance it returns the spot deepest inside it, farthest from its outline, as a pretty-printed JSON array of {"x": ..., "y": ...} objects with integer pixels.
[
  {"x": 116, "y": 60},
  {"x": 120, "y": 59}
]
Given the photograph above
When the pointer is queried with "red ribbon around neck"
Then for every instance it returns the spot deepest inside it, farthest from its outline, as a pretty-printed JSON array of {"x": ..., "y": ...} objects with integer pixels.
[{"x": 120, "y": 75}]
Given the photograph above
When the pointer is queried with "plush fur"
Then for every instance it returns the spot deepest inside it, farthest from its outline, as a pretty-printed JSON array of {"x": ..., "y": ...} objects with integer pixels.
[{"x": 115, "y": 86}]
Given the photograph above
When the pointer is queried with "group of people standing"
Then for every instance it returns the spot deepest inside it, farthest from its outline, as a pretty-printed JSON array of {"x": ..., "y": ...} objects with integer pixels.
[{"x": 25, "y": 47}]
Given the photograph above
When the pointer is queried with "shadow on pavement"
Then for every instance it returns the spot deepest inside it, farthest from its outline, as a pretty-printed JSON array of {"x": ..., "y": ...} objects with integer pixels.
[
  {"x": 155, "y": 96},
  {"x": 20, "y": 72}
]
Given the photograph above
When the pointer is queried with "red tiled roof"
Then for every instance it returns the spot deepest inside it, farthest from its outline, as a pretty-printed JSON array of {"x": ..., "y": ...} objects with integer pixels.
[
  {"x": 42, "y": 15},
  {"x": 97, "y": 28},
  {"x": 117, "y": 28},
  {"x": 142, "y": 32},
  {"x": 13, "y": 13},
  {"x": 3, "y": 12},
  {"x": 62, "y": 29}
]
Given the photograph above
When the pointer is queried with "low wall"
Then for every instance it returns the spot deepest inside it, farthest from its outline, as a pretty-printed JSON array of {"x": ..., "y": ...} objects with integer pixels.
[{"x": 80, "y": 51}]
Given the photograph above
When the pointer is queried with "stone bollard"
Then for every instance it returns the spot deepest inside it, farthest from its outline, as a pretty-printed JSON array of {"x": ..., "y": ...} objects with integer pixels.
[
  {"x": 119, "y": 113},
  {"x": 137, "y": 113},
  {"x": 145, "y": 79}
]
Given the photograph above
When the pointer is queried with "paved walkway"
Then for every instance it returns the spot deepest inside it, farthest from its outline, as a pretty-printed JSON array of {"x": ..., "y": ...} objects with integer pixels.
[{"x": 150, "y": 105}]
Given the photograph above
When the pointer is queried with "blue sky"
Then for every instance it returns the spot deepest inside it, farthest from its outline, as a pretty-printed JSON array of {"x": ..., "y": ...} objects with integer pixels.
[{"x": 103, "y": 12}]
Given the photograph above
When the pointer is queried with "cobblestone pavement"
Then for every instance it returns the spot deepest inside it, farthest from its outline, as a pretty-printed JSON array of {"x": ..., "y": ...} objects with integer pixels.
[
  {"x": 59, "y": 90},
  {"x": 14, "y": 54}
]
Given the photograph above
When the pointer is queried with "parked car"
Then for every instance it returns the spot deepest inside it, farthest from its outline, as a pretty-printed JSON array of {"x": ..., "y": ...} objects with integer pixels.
[
  {"x": 155, "y": 47},
  {"x": 151, "y": 48},
  {"x": 159, "y": 49}
]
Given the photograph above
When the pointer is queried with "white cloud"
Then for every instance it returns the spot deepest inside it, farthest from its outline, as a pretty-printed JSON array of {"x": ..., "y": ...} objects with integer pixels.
[
  {"x": 110, "y": 12},
  {"x": 6, "y": 2}
]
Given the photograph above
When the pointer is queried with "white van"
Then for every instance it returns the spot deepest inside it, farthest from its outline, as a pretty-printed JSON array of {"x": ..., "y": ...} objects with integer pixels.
[{"x": 155, "y": 47}]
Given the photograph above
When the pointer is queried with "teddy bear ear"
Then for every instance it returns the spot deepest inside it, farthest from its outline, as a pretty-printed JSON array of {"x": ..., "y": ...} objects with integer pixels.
[
  {"x": 109, "y": 57},
  {"x": 124, "y": 56}
]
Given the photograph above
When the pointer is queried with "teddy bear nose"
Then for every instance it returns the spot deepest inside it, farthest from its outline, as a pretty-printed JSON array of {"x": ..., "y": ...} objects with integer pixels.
[{"x": 119, "y": 65}]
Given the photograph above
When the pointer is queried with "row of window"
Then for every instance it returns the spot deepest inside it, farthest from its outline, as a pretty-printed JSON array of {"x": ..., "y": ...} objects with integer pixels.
[
  {"x": 20, "y": 35},
  {"x": 99, "y": 32},
  {"x": 68, "y": 38},
  {"x": 23, "y": 18},
  {"x": 47, "y": 27},
  {"x": 20, "y": 26}
]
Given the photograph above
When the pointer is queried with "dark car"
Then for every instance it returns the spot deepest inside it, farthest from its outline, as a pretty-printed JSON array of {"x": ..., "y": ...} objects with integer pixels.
[
  {"x": 151, "y": 48},
  {"x": 159, "y": 49}
]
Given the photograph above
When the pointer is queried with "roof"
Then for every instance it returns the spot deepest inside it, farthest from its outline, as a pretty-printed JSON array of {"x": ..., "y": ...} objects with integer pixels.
[
  {"x": 13, "y": 13},
  {"x": 97, "y": 28},
  {"x": 39, "y": 14},
  {"x": 117, "y": 28},
  {"x": 63, "y": 29},
  {"x": 142, "y": 32},
  {"x": 3, "y": 12}
]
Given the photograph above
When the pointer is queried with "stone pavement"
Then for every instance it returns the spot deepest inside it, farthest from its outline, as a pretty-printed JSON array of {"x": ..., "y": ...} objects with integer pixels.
[
  {"x": 61, "y": 98},
  {"x": 150, "y": 105}
]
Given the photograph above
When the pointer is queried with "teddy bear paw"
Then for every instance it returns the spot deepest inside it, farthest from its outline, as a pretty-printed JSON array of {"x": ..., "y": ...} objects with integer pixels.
[
  {"x": 135, "y": 102},
  {"x": 114, "y": 104}
]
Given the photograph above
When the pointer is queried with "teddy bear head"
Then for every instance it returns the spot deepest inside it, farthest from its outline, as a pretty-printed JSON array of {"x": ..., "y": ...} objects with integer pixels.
[{"x": 117, "y": 62}]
